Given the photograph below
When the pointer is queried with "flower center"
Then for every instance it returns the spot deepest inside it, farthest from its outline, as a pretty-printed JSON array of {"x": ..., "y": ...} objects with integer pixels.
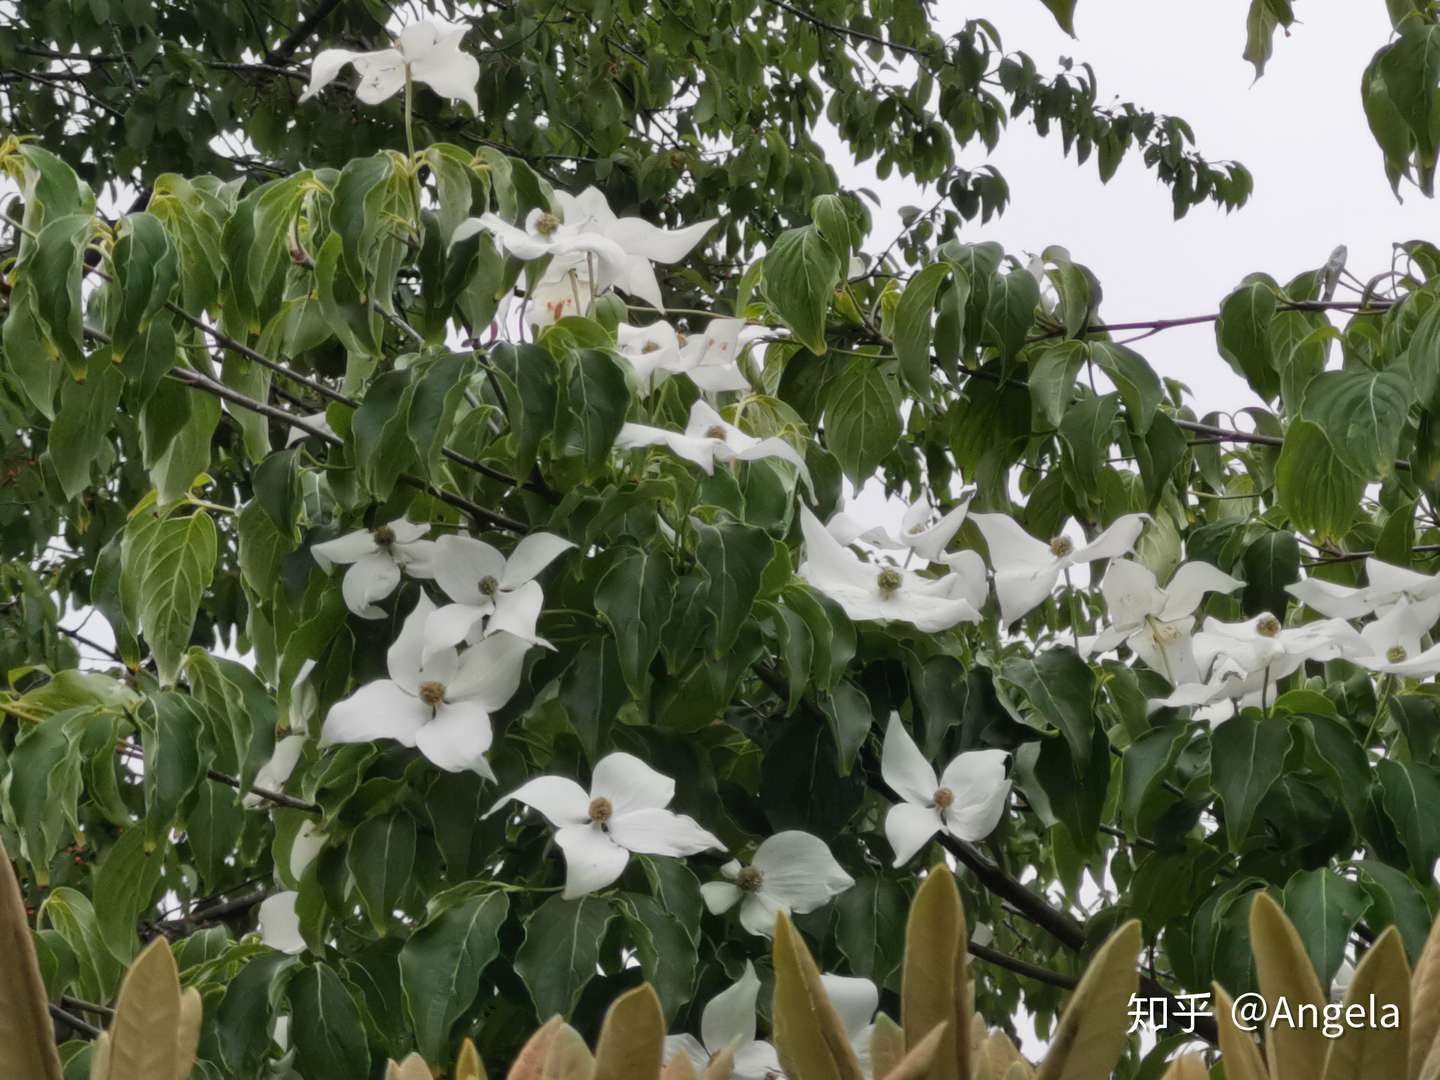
[
  {"x": 943, "y": 798},
  {"x": 1395, "y": 654},
  {"x": 916, "y": 530},
  {"x": 1061, "y": 546},
  {"x": 715, "y": 432},
  {"x": 432, "y": 693},
  {"x": 546, "y": 224},
  {"x": 888, "y": 582},
  {"x": 1269, "y": 627},
  {"x": 601, "y": 810},
  {"x": 651, "y": 346},
  {"x": 384, "y": 536},
  {"x": 489, "y": 586},
  {"x": 749, "y": 879},
  {"x": 1165, "y": 634}
]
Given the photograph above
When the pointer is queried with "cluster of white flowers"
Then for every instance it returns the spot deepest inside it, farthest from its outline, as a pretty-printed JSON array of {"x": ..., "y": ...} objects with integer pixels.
[
  {"x": 709, "y": 438},
  {"x": 728, "y": 1022}
]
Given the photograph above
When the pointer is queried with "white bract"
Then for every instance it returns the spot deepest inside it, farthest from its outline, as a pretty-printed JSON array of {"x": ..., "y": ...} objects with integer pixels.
[
  {"x": 489, "y": 589},
  {"x": 1392, "y": 645},
  {"x": 617, "y": 252},
  {"x": 441, "y": 705},
  {"x": 376, "y": 558},
  {"x": 1157, "y": 623},
  {"x": 279, "y": 924},
  {"x": 623, "y": 812},
  {"x": 272, "y": 775},
  {"x": 855, "y": 1001},
  {"x": 728, "y": 1021},
  {"x": 868, "y": 591},
  {"x": 919, "y": 531},
  {"x": 1026, "y": 569},
  {"x": 1388, "y": 586},
  {"x": 791, "y": 871},
  {"x": 966, "y": 800},
  {"x": 708, "y": 438},
  {"x": 429, "y": 52},
  {"x": 709, "y": 359}
]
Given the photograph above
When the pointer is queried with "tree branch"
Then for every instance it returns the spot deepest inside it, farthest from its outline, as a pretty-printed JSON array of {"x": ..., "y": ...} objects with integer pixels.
[{"x": 303, "y": 29}]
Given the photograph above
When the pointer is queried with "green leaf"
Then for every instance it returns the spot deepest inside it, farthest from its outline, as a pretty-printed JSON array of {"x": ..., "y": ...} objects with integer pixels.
[
  {"x": 1314, "y": 485},
  {"x": 1271, "y": 562},
  {"x": 70, "y": 912},
  {"x": 178, "y": 568},
  {"x": 1071, "y": 792},
  {"x": 1058, "y": 689},
  {"x": 1064, "y": 12},
  {"x": 734, "y": 557},
  {"x": 441, "y": 964},
  {"x": 870, "y": 927},
  {"x": 801, "y": 785},
  {"x": 356, "y": 214},
  {"x": 560, "y": 951},
  {"x": 1136, "y": 380},
  {"x": 328, "y": 1037},
  {"x": 1395, "y": 900},
  {"x": 1409, "y": 793},
  {"x": 913, "y": 330},
  {"x": 144, "y": 266},
  {"x": 1410, "y": 70},
  {"x": 55, "y": 271},
  {"x": 380, "y": 858},
  {"x": 634, "y": 598},
  {"x": 801, "y": 275},
  {"x": 188, "y": 453},
  {"x": 1247, "y": 756},
  {"x": 663, "y": 945},
  {"x": 245, "y": 1013},
  {"x": 862, "y": 423},
  {"x": 529, "y": 376},
  {"x": 830, "y": 629},
  {"x": 31, "y": 366},
  {"x": 1363, "y": 414},
  {"x": 833, "y": 224},
  {"x": 1324, "y": 908},
  {"x": 1053, "y": 370},
  {"x": 171, "y": 727},
  {"x": 1242, "y": 333},
  {"x": 1264, "y": 16},
  {"x": 1010, "y": 309},
  {"x": 42, "y": 787},
  {"x": 126, "y": 879},
  {"x": 597, "y": 396},
  {"x": 1087, "y": 432},
  {"x": 81, "y": 431},
  {"x": 592, "y": 690},
  {"x": 380, "y": 427},
  {"x": 851, "y": 717}
]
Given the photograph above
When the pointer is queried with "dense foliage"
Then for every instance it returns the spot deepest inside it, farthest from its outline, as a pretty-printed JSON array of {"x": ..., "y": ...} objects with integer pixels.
[{"x": 494, "y": 644}]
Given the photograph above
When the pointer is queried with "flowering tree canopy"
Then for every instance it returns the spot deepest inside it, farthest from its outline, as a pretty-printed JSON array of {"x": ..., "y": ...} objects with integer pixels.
[{"x": 437, "y": 594}]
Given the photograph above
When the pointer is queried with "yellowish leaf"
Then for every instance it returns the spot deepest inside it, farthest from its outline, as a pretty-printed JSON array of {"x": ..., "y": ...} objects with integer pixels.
[
  {"x": 1379, "y": 1049},
  {"x": 1285, "y": 972},
  {"x": 1242, "y": 1056},
  {"x": 1425, "y": 1005},
  {"x": 469, "y": 1066},
  {"x": 568, "y": 1058},
  {"x": 529, "y": 1064},
  {"x": 188, "y": 1037},
  {"x": 721, "y": 1066},
  {"x": 27, "y": 1037},
  {"x": 918, "y": 1063},
  {"x": 100, "y": 1057},
  {"x": 1020, "y": 1070},
  {"x": 632, "y": 1040},
  {"x": 412, "y": 1068},
  {"x": 144, "y": 1043},
  {"x": 809, "y": 1036},
  {"x": 1092, "y": 1032},
  {"x": 887, "y": 1045},
  {"x": 679, "y": 1069},
  {"x": 934, "y": 985}
]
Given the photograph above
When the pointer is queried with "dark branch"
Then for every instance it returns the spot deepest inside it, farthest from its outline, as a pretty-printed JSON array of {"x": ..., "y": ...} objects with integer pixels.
[{"x": 298, "y": 36}]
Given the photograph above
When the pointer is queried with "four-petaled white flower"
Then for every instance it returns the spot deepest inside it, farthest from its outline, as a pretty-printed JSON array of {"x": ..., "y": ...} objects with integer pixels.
[
  {"x": 728, "y": 1021},
  {"x": 1026, "y": 569},
  {"x": 441, "y": 705},
  {"x": 428, "y": 51},
  {"x": 967, "y": 800},
  {"x": 376, "y": 558},
  {"x": 1157, "y": 623},
  {"x": 1388, "y": 586},
  {"x": 708, "y": 358},
  {"x": 619, "y": 252},
  {"x": 279, "y": 924},
  {"x": 919, "y": 531},
  {"x": 487, "y": 587},
  {"x": 623, "y": 812},
  {"x": 1391, "y": 644},
  {"x": 868, "y": 591},
  {"x": 708, "y": 438},
  {"x": 791, "y": 871}
]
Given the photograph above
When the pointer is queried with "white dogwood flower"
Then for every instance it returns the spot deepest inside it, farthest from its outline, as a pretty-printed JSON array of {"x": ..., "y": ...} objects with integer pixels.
[
  {"x": 967, "y": 800},
  {"x": 791, "y": 871},
  {"x": 1388, "y": 585},
  {"x": 1391, "y": 644},
  {"x": 728, "y": 1021},
  {"x": 441, "y": 705},
  {"x": 868, "y": 591},
  {"x": 428, "y": 51},
  {"x": 919, "y": 530},
  {"x": 619, "y": 252},
  {"x": 272, "y": 775},
  {"x": 709, "y": 358},
  {"x": 279, "y": 924},
  {"x": 856, "y": 1001},
  {"x": 1157, "y": 623},
  {"x": 489, "y": 589},
  {"x": 708, "y": 438},
  {"x": 1026, "y": 569},
  {"x": 623, "y": 812},
  {"x": 376, "y": 558}
]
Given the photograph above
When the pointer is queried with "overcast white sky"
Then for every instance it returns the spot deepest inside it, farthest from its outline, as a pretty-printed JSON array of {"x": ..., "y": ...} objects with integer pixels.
[{"x": 1301, "y": 131}]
